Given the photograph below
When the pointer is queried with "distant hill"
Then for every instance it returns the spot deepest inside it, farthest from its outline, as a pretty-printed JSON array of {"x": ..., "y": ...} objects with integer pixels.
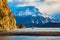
[{"x": 50, "y": 24}]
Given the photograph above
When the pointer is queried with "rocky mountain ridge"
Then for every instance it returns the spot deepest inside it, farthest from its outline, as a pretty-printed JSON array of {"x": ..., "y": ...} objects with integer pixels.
[{"x": 7, "y": 20}]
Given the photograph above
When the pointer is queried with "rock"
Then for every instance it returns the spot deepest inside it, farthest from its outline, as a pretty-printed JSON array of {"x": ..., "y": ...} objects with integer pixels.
[{"x": 7, "y": 20}]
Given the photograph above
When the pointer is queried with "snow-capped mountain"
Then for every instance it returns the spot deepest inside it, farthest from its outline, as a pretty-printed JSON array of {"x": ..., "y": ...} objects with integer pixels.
[{"x": 31, "y": 16}]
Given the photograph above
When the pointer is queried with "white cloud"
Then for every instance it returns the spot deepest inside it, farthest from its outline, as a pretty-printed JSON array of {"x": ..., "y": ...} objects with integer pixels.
[
  {"x": 10, "y": 0},
  {"x": 48, "y": 6}
]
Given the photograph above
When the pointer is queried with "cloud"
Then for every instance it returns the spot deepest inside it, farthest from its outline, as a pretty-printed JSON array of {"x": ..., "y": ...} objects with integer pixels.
[
  {"x": 44, "y": 6},
  {"x": 10, "y": 0},
  {"x": 49, "y": 6}
]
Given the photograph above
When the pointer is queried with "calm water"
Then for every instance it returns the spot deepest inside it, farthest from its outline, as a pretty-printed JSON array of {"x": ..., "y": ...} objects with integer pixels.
[
  {"x": 29, "y": 38},
  {"x": 33, "y": 37}
]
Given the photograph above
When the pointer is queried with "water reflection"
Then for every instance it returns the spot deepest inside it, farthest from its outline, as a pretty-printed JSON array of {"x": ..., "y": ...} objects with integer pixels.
[{"x": 28, "y": 38}]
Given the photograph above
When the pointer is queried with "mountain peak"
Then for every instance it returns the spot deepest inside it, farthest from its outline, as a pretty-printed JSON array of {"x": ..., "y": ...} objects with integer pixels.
[{"x": 25, "y": 11}]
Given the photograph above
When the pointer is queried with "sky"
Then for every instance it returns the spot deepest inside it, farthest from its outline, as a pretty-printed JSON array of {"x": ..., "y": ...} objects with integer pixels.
[{"x": 45, "y": 6}]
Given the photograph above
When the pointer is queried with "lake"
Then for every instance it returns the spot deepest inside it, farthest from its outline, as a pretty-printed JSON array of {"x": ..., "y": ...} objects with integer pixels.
[{"x": 29, "y": 38}]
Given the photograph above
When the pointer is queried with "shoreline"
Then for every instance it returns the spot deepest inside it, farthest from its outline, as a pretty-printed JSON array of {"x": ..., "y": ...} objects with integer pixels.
[{"x": 33, "y": 32}]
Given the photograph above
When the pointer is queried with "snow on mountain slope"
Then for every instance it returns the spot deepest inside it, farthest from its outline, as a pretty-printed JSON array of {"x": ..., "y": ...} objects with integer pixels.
[{"x": 32, "y": 15}]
